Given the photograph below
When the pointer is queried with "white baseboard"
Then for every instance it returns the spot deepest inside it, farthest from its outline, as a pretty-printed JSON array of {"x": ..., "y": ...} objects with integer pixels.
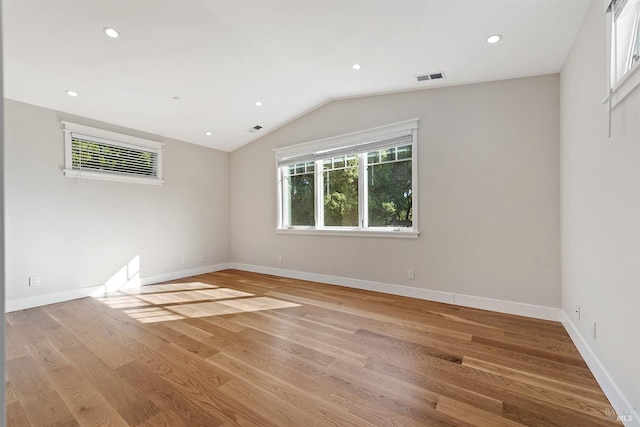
[
  {"x": 528, "y": 310},
  {"x": 405, "y": 291},
  {"x": 52, "y": 298},
  {"x": 509, "y": 307},
  {"x": 629, "y": 415},
  {"x": 38, "y": 300}
]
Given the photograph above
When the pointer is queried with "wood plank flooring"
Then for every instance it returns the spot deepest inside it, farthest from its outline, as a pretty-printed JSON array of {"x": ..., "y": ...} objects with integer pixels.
[{"x": 241, "y": 349}]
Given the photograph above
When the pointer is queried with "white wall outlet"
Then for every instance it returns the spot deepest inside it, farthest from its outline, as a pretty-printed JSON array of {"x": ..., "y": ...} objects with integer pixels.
[
  {"x": 201, "y": 258},
  {"x": 34, "y": 281},
  {"x": 578, "y": 312},
  {"x": 594, "y": 330},
  {"x": 181, "y": 260},
  {"x": 280, "y": 259},
  {"x": 411, "y": 274}
]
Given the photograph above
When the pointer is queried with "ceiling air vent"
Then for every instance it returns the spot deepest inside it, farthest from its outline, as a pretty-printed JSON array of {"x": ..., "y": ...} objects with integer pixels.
[
  {"x": 431, "y": 76},
  {"x": 254, "y": 129}
]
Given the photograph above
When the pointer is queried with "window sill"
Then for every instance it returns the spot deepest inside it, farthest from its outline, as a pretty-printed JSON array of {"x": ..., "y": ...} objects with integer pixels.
[
  {"x": 350, "y": 233},
  {"x": 71, "y": 173},
  {"x": 629, "y": 82}
]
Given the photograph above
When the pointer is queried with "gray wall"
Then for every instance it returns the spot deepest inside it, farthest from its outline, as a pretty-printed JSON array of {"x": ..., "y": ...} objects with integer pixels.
[
  {"x": 600, "y": 187},
  {"x": 488, "y": 189},
  {"x": 76, "y": 234}
]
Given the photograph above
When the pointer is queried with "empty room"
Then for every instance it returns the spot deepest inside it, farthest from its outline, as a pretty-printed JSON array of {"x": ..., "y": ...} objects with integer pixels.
[{"x": 321, "y": 213}]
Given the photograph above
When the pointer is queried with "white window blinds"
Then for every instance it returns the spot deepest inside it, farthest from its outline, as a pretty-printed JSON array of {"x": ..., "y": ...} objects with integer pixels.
[
  {"x": 356, "y": 143},
  {"x": 97, "y": 154}
]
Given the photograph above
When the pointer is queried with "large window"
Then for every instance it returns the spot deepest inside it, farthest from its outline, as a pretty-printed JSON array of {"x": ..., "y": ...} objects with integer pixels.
[
  {"x": 92, "y": 153},
  {"x": 361, "y": 183}
]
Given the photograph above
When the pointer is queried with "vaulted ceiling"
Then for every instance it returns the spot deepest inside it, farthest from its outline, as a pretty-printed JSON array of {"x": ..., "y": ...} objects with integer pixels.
[{"x": 185, "y": 68}]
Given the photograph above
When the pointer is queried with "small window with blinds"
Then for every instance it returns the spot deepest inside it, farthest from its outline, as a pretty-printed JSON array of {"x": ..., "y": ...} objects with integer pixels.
[
  {"x": 92, "y": 153},
  {"x": 364, "y": 183}
]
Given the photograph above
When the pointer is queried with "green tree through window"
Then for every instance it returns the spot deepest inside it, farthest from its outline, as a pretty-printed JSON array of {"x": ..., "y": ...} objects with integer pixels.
[
  {"x": 341, "y": 191},
  {"x": 300, "y": 180},
  {"x": 390, "y": 187},
  {"x": 359, "y": 183}
]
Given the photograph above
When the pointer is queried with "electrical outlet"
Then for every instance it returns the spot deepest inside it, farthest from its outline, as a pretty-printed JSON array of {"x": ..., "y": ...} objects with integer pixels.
[
  {"x": 411, "y": 274},
  {"x": 34, "y": 281},
  {"x": 201, "y": 258},
  {"x": 280, "y": 259},
  {"x": 181, "y": 260},
  {"x": 578, "y": 312},
  {"x": 594, "y": 330}
]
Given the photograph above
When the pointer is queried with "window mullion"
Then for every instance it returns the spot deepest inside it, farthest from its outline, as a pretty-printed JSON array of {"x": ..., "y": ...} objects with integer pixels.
[
  {"x": 319, "y": 202},
  {"x": 286, "y": 192},
  {"x": 363, "y": 194}
]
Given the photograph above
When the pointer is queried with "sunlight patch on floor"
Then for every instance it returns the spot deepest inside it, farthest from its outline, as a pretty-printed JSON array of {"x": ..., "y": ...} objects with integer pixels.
[
  {"x": 152, "y": 315},
  {"x": 169, "y": 287},
  {"x": 190, "y": 296},
  {"x": 244, "y": 305},
  {"x": 177, "y": 301}
]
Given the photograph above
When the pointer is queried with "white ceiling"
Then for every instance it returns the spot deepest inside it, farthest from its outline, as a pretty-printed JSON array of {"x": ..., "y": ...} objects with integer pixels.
[{"x": 221, "y": 56}]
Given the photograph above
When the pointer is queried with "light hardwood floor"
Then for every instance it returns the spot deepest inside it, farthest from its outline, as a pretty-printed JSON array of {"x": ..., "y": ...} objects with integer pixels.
[{"x": 238, "y": 348}]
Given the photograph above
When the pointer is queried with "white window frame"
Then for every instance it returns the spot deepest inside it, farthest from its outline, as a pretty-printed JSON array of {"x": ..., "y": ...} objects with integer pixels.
[
  {"x": 347, "y": 144},
  {"x": 618, "y": 88},
  {"x": 88, "y": 133}
]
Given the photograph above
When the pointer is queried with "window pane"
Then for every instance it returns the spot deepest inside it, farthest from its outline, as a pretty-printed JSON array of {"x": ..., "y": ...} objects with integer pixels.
[
  {"x": 624, "y": 36},
  {"x": 404, "y": 152},
  {"x": 373, "y": 157},
  {"x": 301, "y": 192},
  {"x": 636, "y": 52},
  {"x": 388, "y": 154},
  {"x": 389, "y": 189},
  {"x": 341, "y": 194}
]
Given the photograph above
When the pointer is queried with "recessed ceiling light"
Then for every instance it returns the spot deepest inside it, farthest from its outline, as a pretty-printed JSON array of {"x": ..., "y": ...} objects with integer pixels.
[
  {"x": 494, "y": 38},
  {"x": 71, "y": 93},
  {"x": 258, "y": 103},
  {"x": 114, "y": 34},
  {"x": 356, "y": 66},
  {"x": 208, "y": 133}
]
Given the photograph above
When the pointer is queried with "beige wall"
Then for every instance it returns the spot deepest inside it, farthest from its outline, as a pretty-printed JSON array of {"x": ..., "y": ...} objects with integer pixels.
[
  {"x": 79, "y": 234},
  {"x": 488, "y": 189},
  {"x": 600, "y": 188}
]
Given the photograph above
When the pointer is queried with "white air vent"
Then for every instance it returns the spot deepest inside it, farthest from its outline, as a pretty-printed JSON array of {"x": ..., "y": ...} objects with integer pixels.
[
  {"x": 431, "y": 76},
  {"x": 254, "y": 129}
]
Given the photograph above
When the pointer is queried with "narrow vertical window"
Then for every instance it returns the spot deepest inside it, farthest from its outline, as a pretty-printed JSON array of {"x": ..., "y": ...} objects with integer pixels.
[
  {"x": 340, "y": 191},
  {"x": 299, "y": 187},
  {"x": 625, "y": 37},
  {"x": 390, "y": 187}
]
